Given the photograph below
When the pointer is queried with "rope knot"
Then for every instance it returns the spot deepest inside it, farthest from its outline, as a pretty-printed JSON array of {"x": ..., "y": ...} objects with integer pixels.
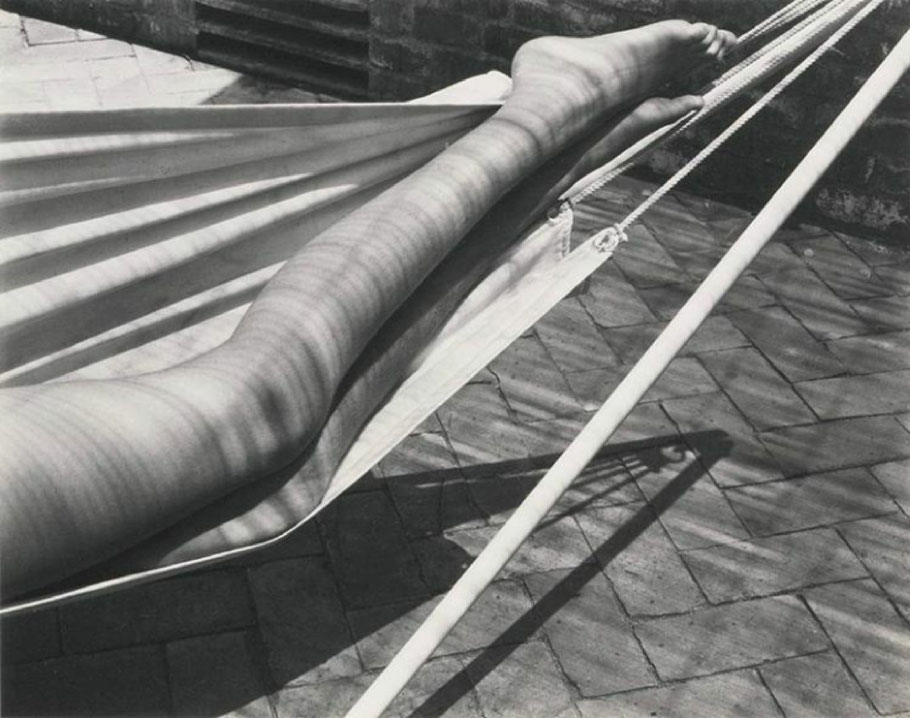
[{"x": 609, "y": 239}]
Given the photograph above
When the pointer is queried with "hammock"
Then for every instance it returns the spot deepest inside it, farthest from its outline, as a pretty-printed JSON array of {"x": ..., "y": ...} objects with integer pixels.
[{"x": 135, "y": 240}]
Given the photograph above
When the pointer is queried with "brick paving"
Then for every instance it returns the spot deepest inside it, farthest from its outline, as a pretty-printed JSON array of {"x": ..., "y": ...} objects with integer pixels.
[{"x": 739, "y": 548}]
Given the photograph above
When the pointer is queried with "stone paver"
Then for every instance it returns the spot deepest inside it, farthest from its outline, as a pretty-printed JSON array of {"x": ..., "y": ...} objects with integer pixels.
[
  {"x": 731, "y": 636},
  {"x": 879, "y": 352},
  {"x": 437, "y": 679},
  {"x": 787, "y": 344},
  {"x": 429, "y": 506},
  {"x": 645, "y": 262},
  {"x": 843, "y": 271},
  {"x": 425, "y": 454},
  {"x": 213, "y": 601},
  {"x": 124, "y": 682},
  {"x": 732, "y": 694},
  {"x": 842, "y": 397},
  {"x": 744, "y": 460},
  {"x": 481, "y": 431},
  {"x": 896, "y": 277},
  {"x": 746, "y": 293},
  {"x": 886, "y": 312},
  {"x": 895, "y": 477},
  {"x": 427, "y": 487},
  {"x": 613, "y": 302},
  {"x": 811, "y": 301},
  {"x": 640, "y": 560},
  {"x": 837, "y": 444},
  {"x": 572, "y": 339},
  {"x": 533, "y": 386},
  {"x": 588, "y": 632},
  {"x": 812, "y": 501},
  {"x": 904, "y": 420},
  {"x": 557, "y": 543},
  {"x": 646, "y": 425},
  {"x": 882, "y": 545},
  {"x": 871, "y": 638},
  {"x": 214, "y": 675},
  {"x": 818, "y": 686},
  {"x": 153, "y": 61},
  {"x": 690, "y": 488},
  {"x": 685, "y": 376},
  {"x": 383, "y": 630},
  {"x": 498, "y": 496},
  {"x": 694, "y": 513},
  {"x": 306, "y": 641},
  {"x": 332, "y": 698},
  {"x": 39, "y": 32},
  {"x": 758, "y": 391},
  {"x": 604, "y": 482},
  {"x": 30, "y": 637},
  {"x": 872, "y": 252},
  {"x": 678, "y": 229},
  {"x": 371, "y": 559},
  {"x": 772, "y": 565},
  {"x": 519, "y": 681},
  {"x": 632, "y": 341},
  {"x": 715, "y": 334}
]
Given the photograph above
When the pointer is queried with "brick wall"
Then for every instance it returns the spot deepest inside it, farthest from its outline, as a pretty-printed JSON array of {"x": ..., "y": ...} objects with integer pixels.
[
  {"x": 165, "y": 24},
  {"x": 420, "y": 45}
]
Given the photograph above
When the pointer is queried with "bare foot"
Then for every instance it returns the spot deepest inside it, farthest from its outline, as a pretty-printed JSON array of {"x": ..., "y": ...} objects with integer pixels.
[
  {"x": 651, "y": 115},
  {"x": 570, "y": 82}
]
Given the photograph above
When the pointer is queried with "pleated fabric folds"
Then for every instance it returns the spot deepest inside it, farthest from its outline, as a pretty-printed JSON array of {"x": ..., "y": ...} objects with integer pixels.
[{"x": 134, "y": 240}]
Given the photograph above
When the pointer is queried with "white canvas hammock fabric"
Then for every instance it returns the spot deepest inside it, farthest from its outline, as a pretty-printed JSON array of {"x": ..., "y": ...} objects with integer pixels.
[{"x": 134, "y": 240}]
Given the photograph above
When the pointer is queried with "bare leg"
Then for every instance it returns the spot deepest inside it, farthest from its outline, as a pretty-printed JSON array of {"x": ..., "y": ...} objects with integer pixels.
[
  {"x": 298, "y": 487},
  {"x": 91, "y": 467}
]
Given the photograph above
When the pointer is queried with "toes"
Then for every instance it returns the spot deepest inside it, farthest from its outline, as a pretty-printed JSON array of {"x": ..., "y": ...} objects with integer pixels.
[
  {"x": 728, "y": 42},
  {"x": 659, "y": 111},
  {"x": 682, "y": 106},
  {"x": 710, "y": 37}
]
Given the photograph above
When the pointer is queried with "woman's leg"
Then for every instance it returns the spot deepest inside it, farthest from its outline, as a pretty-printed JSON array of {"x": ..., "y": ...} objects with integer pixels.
[
  {"x": 285, "y": 496},
  {"x": 91, "y": 467}
]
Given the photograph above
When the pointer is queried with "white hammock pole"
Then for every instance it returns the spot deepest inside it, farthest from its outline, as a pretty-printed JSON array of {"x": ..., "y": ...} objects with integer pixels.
[{"x": 608, "y": 418}]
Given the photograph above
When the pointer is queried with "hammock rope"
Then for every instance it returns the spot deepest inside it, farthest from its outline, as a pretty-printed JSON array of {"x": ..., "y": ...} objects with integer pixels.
[
  {"x": 812, "y": 22},
  {"x": 551, "y": 487},
  {"x": 744, "y": 118},
  {"x": 740, "y": 78},
  {"x": 779, "y": 19}
]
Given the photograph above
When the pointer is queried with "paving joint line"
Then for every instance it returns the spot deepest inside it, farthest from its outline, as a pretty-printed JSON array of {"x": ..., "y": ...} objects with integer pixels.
[{"x": 837, "y": 651}]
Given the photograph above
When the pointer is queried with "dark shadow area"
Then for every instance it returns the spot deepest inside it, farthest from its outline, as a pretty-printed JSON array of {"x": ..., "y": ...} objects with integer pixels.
[{"x": 238, "y": 632}]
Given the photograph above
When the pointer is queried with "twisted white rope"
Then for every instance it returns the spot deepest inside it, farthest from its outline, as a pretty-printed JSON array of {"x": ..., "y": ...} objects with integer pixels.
[
  {"x": 782, "y": 17},
  {"x": 744, "y": 118},
  {"x": 748, "y": 73},
  {"x": 813, "y": 20}
]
